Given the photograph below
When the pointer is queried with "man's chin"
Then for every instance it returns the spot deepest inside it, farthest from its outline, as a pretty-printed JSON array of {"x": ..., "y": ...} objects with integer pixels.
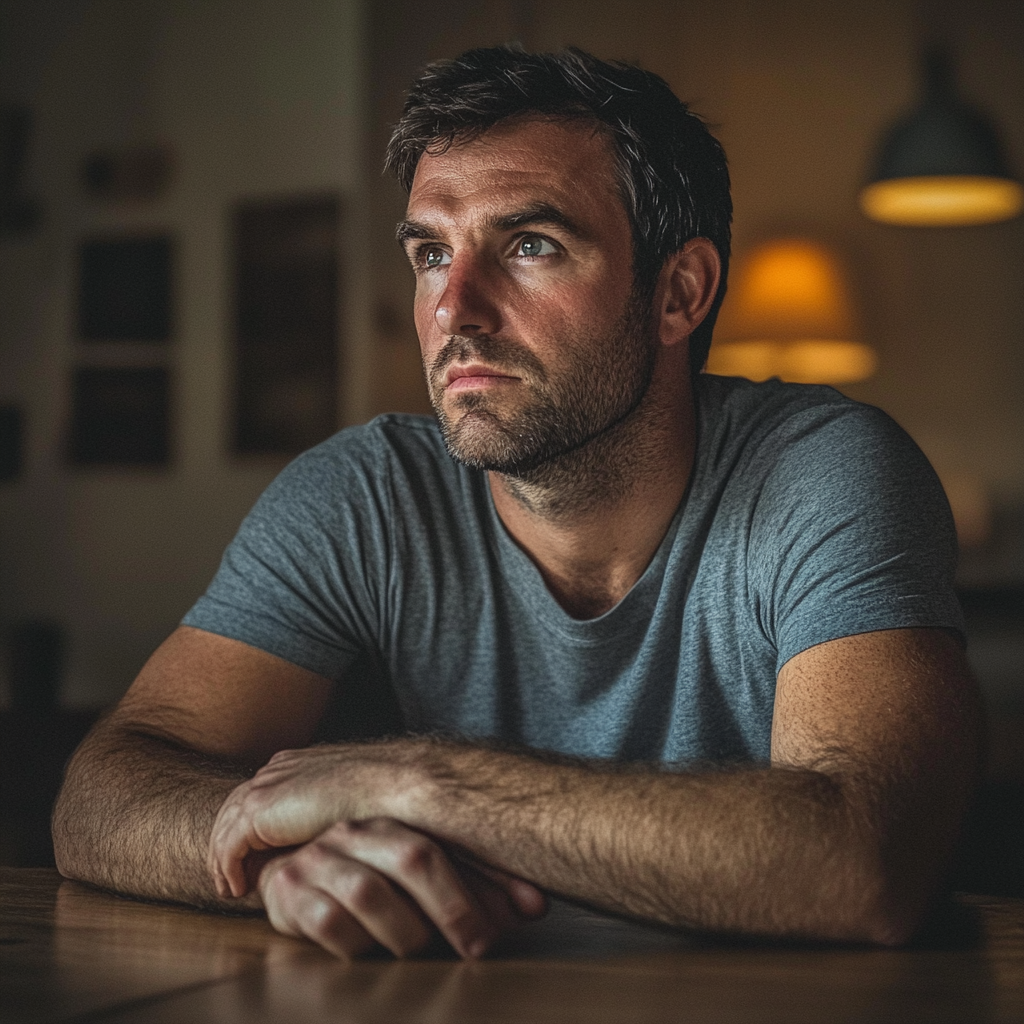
[
  {"x": 515, "y": 443},
  {"x": 476, "y": 439}
]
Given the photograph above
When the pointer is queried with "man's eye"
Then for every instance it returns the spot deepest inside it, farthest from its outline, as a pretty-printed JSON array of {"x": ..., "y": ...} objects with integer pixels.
[
  {"x": 534, "y": 245},
  {"x": 434, "y": 257}
]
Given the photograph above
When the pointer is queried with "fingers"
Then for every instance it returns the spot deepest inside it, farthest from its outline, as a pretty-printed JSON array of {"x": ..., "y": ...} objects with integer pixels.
[
  {"x": 529, "y": 900},
  {"x": 379, "y": 881},
  {"x": 272, "y": 809},
  {"x": 303, "y": 911},
  {"x": 340, "y": 904},
  {"x": 230, "y": 842},
  {"x": 233, "y": 837},
  {"x": 423, "y": 870},
  {"x": 486, "y": 882},
  {"x": 291, "y": 800}
]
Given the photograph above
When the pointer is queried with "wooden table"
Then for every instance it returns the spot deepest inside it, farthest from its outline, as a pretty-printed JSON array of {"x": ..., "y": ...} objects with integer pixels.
[{"x": 70, "y": 954}]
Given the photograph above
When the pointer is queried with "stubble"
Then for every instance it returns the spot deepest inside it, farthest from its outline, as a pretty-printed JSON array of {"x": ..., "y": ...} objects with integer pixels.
[{"x": 569, "y": 446}]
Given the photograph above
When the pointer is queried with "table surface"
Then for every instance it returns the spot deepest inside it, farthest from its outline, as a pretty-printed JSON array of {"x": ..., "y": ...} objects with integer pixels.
[{"x": 71, "y": 954}]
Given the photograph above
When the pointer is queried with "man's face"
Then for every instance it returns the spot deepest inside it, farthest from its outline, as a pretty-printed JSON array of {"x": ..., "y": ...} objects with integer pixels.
[{"x": 533, "y": 342}]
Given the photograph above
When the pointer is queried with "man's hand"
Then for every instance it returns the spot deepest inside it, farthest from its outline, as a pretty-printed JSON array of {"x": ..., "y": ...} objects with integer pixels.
[
  {"x": 377, "y": 881},
  {"x": 299, "y": 794},
  {"x": 358, "y": 877}
]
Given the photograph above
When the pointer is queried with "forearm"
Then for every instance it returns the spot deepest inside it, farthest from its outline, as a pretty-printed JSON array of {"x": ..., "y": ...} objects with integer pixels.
[
  {"x": 135, "y": 813},
  {"x": 846, "y": 836},
  {"x": 772, "y": 851}
]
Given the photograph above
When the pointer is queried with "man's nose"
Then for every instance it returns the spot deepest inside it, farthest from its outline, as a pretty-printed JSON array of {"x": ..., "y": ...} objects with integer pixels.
[{"x": 467, "y": 306}]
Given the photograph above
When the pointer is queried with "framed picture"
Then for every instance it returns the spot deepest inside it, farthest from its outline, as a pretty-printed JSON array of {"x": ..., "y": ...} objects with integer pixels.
[
  {"x": 12, "y": 442},
  {"x": 120, "y": 416},
  {"x": 124, "y": 289},
  {"x": 286, "y": 315}
]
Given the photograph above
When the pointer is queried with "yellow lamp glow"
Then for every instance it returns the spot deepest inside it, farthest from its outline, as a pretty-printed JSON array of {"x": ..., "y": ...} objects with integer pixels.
[
  {"x": 801, "y": 362},
  {"x": 788, "y": 314},
  {"x": 943, "y": 165},
  {"x": 943, "y": 200}
]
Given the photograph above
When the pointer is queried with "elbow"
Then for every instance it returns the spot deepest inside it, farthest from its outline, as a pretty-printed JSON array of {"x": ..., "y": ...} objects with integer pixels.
[
  {"x": 903, "y": 882},
  {"x": 65, "y": 866},
  {"x": 892, "y": 923},
  {"x": 63, "y": 848},
  {"x": 69, "y": 831},
  {"x": 888, "y": 923},
  {"x": 889, "y": 912},
  {"x": 881, "y": 883}
]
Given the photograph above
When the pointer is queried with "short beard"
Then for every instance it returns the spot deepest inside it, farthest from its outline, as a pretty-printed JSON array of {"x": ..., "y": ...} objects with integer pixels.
[{"x": 549, "y": 437}]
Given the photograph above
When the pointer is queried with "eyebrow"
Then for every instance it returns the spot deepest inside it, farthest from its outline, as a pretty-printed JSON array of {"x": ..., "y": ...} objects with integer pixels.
[
  {"x": 409, "y": 229},
  {"x": 536, "y": 213}
]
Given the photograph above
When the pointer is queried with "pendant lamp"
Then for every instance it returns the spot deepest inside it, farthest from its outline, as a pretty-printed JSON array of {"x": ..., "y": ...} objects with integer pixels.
[
  {"x": 943, "y": 165},
  {"x": 788, "y": 314}
]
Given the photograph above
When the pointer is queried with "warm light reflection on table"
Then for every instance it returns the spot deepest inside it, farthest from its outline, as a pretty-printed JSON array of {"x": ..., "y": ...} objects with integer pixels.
[{"x": 68, "y": 953}]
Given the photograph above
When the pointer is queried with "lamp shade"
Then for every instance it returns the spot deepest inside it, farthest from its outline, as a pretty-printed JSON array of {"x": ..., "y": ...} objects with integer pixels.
[
  {"x": 943, "y": 164},
  {"x": 788, "y": 314}
]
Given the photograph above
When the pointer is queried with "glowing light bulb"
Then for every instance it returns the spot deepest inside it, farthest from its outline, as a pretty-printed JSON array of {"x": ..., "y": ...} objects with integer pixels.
[{"x": 952, "y": 200}]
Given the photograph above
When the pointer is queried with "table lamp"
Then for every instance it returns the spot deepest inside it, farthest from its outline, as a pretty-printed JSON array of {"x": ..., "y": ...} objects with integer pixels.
[{"x": 788, "y": 314}]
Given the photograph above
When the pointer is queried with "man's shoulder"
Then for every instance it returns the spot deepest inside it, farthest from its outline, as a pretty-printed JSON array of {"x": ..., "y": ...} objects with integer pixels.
[
  {"x": 375, "y": 451},
  {"x": 776, "y": 444},
  {"x": 393, "y": 433},
  {"x": 366, "y": 472},
  {"x": 738, "y": 414},
  {"x": 769, "y": 401}
]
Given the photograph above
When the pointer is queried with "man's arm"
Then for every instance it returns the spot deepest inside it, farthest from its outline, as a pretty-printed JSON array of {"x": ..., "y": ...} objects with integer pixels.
[
  {"x": 142, "y": 792},
  {"x": 846, "y": 836}
]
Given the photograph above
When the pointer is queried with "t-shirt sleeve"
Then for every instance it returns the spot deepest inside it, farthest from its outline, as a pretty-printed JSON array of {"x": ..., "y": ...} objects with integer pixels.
[
  {"x": 301, "y": 577},
  {"x": 851, "y": 533}
]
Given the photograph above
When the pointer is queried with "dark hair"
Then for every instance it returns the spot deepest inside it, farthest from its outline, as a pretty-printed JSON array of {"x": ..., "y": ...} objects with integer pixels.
[{"x": 672, "y": 171}]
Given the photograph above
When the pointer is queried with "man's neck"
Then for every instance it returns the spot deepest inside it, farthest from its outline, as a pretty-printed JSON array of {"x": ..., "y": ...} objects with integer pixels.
[{"x": 592, "y": 520}]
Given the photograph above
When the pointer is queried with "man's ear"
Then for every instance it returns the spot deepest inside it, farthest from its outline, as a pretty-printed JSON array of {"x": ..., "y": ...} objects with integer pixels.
[{"x": 686, "y": 289}]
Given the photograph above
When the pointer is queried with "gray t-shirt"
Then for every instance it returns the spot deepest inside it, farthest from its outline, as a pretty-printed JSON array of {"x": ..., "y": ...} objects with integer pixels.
[{"x": 377, "y": 561}]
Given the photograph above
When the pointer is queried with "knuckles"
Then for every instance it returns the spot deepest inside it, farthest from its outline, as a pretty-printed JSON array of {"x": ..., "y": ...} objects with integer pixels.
[
  {"x": 319, "y": 892},
  {"x": 315, "y": 855},
  {"x": 292, "y": 873},
  {"x": 412, "y": 854},
  {"x": 365, "y": 891},
  {"x": 327, "y": 919},
  {"x": 341, "y": 831},
  {"x": 416, "y": 856}
]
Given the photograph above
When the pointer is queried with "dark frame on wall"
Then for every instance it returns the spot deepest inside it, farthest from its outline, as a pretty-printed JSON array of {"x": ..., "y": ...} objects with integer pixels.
[
  {"x": 286, "y": 316},
  {"x": 12, "y": 441},
  {"x": 124, "y": 289},
  {"x": 120, "y": 416}
]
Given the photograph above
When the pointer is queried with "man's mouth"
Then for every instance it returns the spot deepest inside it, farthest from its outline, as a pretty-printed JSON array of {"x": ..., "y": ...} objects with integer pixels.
[{"x": 475, "y": 375}]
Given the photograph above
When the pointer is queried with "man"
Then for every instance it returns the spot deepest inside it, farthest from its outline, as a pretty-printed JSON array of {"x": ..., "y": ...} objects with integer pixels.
[{"x": 680, "y": 647}]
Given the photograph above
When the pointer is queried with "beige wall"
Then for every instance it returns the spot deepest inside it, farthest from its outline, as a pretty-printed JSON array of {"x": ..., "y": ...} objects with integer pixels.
[{"x": 255, "y": 98}]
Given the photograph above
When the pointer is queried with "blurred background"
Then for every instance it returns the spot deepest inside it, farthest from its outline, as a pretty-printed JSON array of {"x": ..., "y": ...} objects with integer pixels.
[{"x": 198, "y": 278}]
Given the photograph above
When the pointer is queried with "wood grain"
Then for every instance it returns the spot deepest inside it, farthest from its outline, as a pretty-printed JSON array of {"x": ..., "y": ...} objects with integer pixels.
[{"x": 71, "y": 954}]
